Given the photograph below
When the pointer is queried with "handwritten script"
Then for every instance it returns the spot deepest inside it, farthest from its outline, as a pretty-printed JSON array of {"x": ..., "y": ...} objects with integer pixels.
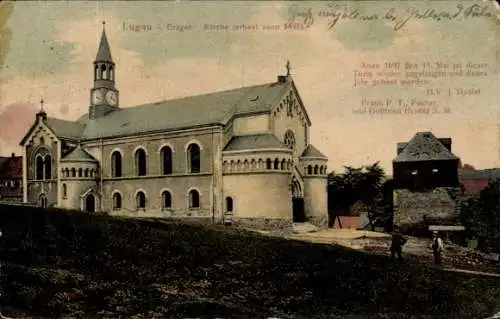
[{"x": 335, "y": 13}]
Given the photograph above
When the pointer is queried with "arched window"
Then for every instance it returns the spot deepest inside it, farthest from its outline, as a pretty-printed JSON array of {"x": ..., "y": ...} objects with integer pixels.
[
  {"x": 316, "y": 170},
  {"x": 117, "y": 201},
  {"x": 80, "y": 172},
  {"x": 269, "y": 163},
  {"x": 96, "y": 71},
  {"x": 166, "y": 200},
  {"x": 73, "y": 172},
  {"x": 276, "y": 163},
  {"x": 229, "y": 204},
  {"x": 39, "y": 167},
  {"x": 111, "y": 74},
  {"x": 193, "y": 158},
  {"x": 289, "y": 139},
  {"x": 47, "y": 167},
  {"x": 116, "y": 164},
  {"x": 140, "y": 162},
  {"x": 309, "y": 170},
  {"x": 103, "y": 71},
  {"x": 194, "y": 199},
  {"x": 166, "y": 159},
  {"x": 283, "y": 164},
  {"x": 64, "y": 190},
  {"x": 141, "y": 200}
]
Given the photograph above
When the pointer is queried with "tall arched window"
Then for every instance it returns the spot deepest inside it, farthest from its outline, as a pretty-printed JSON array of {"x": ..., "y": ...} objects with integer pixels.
[
  {"x": 166, "y": 200},
  {"x": 194, "y": 199},
  {"x": 73, "y": 172},
  {"x": 96, "y": 71},
  {"x": 111, "y": 75},
  {"x": 116, "y": 164},
  {"x": 269, "y": 163},
  {"x": 39, "y": 167},
  {"x": 316, "y": 170},
  {"x": 166, "y": 160},
  {"x": 141, "y": 200},
  {"x": 309, "y": 170},
  {"x": 80, "y": 172},
  {"x": 47, "y": 167},
  {"x": 194, "y": 158},
  {"x": 64, "y": 190},
  {"x": 276, "y": 163},
  {"x": 117, "y": 201},
  {"x": 140, "y": 162},
  {"x": 229, "y": 204}
]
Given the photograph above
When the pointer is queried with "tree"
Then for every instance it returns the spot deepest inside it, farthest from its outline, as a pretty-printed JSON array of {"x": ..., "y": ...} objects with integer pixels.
[
  {"x": 357, "y": 185},
  {"x": 481, "y": 216}
]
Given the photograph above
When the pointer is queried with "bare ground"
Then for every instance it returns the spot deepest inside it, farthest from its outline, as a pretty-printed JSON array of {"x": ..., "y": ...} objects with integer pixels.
[{"x": 455, "y": 257}]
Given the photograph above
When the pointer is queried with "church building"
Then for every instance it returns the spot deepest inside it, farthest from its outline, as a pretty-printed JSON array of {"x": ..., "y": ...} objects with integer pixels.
[{"x": 242, "y": 154}]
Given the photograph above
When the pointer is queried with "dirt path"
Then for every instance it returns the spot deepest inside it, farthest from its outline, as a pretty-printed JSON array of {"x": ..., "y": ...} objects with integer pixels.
[{"x": 417, "y": 250}]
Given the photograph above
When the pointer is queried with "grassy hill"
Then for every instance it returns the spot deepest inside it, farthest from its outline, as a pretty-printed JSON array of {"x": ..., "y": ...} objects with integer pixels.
[{"x": 69, "y": 264}]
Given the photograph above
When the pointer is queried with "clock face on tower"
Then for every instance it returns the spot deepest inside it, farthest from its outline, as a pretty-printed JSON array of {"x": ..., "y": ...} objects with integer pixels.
[
  {"x": 111, "y": 98},
  {"x": 97, "y": 97}
]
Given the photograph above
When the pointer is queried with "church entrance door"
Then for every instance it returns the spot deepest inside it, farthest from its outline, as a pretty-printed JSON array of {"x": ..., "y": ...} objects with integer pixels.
[
  {"x": 90, "y": 203},
  {"x": 298, "y": 210},
  {"x": 297, "y": 203},
  {"x": 43, "y": 201}
]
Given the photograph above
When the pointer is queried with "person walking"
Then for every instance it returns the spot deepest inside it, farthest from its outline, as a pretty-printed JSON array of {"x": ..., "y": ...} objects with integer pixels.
[
  {"x": 437, "y": 247},
  {"x": 398, "y": 241}
]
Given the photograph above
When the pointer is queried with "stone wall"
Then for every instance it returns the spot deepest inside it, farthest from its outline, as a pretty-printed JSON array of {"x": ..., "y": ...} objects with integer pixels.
[
  {"x": 441, "y": 203},
  {"x": 263, "y": 223}
]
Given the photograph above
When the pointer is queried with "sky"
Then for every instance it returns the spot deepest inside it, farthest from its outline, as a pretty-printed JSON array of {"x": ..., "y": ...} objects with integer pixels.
[{"x": 47, "y": 49}]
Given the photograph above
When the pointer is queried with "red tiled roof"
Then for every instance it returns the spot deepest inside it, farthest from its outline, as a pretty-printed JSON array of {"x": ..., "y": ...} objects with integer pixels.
[
  {"x": 474, "y": 187},
  {"x": 12, "y": 168}
]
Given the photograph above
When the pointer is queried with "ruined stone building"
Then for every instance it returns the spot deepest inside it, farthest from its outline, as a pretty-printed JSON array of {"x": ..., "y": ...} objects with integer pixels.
[
  {"x": 244, "y": 152},
  {"x": 425, "y": 180}
]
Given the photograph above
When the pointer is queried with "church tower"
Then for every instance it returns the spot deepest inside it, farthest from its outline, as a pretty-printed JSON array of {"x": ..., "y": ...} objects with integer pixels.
[{"x": 104, "y": 95}]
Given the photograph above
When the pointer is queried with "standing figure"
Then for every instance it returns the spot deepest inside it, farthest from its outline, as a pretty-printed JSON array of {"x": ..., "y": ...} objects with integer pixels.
[
  {"x": 437, "y": 247},
  {"x": 398, "y": 241}
]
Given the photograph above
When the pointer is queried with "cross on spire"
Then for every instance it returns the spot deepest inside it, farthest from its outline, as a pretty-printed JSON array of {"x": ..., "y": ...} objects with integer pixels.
[
  {"x": 41, "y": 104},
  {"x": 288, "y": 68}
]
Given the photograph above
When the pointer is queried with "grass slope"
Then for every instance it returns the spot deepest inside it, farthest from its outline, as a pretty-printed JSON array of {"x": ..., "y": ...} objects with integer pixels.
[{"x": 70, "y": 264}]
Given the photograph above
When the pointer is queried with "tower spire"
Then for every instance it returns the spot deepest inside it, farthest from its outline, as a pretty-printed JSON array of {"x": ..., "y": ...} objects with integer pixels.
[
  {"x": 41, "y": 105},
  {"x": 104, "y": 53},
  {"x": 288, "y": 68}
]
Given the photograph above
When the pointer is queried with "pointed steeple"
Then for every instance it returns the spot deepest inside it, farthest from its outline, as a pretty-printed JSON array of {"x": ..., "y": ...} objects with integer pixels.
[{"x": 104, "y": 53}]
